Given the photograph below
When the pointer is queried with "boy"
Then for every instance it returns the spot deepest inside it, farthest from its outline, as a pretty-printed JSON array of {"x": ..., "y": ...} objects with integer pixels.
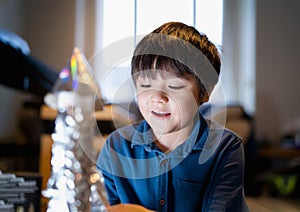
[{"x": 174, "y": 160}]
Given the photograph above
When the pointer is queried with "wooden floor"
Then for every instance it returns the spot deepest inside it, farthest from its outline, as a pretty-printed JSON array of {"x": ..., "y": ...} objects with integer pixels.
[{"x": 267, "y": 204}]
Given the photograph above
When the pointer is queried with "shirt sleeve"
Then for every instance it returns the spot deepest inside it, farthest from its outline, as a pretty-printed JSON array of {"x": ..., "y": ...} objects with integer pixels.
[
  {"x": 104, "y": 165},
  {"x": 226, "y": 187}
]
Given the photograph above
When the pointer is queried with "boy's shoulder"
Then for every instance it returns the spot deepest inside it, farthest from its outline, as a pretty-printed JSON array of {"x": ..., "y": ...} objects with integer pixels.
[
  {"x": 216, "y": 125},
  {"x": 220, "y": 141},
  {"x": 221, "y": 133}
]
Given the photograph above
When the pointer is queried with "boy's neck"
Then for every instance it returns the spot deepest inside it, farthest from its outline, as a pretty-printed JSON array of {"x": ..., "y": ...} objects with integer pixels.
[{"x": 168, "y": 142}]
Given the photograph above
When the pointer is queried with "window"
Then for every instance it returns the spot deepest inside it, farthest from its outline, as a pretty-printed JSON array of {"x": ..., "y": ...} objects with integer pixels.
[{"x": 120, "y": 27}]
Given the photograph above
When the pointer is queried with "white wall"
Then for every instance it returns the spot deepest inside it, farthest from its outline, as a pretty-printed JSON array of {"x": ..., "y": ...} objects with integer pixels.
[
  {"x": 48, "y": 27},
  {"x": 238, "y": 56},
  {"x": 10, "y": 100},
  {"x": 261, "y": 40},
  {"x": 278, "y": 67}
]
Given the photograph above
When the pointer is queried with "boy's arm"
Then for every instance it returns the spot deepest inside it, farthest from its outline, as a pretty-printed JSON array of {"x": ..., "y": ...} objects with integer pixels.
[
  {"x": 103, "y": 164},
  {"x": 225, "y": 191},
  {"x": 110, "y": 187}
]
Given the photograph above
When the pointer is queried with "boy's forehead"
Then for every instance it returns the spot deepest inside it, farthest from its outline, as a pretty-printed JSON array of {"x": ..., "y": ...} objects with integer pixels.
[{"x": 154, "y": 73}]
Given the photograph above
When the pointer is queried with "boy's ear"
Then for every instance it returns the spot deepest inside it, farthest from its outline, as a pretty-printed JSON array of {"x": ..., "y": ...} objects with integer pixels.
[
  {"x": 207, "y": 94},
  {"x": 205, "y": 98}
]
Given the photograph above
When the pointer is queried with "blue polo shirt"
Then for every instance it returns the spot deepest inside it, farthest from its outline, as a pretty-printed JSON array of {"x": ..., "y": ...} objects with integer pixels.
[{"x": 205, "y": 173}]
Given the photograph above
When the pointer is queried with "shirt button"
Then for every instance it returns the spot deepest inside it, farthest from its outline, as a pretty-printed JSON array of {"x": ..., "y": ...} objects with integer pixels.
[{"x": 162, "y": 202}]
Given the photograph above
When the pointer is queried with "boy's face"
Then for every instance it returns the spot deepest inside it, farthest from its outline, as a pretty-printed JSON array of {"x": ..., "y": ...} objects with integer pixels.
[{"x": 168, "y": 103}]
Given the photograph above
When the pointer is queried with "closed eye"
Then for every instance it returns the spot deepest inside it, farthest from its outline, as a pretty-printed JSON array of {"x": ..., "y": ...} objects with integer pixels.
[
  {"x": 176, "y": 87},
  {"x": 145, "y": 86}
]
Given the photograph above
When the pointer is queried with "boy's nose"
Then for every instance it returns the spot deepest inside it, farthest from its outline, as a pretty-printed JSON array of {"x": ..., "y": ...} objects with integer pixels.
[{"x": 159, "y": 97}]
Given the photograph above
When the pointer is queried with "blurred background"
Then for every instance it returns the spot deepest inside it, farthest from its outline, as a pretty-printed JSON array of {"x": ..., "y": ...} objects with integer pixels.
[{"x": 258, "y": 90}]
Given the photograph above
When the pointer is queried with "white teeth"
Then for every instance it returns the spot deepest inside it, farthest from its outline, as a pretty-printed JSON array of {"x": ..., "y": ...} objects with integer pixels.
[{"x": 160, "y": 112}]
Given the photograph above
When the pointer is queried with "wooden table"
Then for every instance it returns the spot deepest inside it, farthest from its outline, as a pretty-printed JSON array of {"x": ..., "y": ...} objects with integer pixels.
[{"x": 275, "y": 152}]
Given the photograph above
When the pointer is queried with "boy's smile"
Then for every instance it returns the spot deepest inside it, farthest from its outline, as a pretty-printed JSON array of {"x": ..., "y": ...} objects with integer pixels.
[
  {"x": 161, "y": 114},
  {"x": 168, "y": 103}
]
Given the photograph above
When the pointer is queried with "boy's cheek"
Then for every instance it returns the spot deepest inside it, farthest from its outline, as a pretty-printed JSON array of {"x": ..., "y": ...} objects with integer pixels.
[{"x": 143, "y": 96}]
